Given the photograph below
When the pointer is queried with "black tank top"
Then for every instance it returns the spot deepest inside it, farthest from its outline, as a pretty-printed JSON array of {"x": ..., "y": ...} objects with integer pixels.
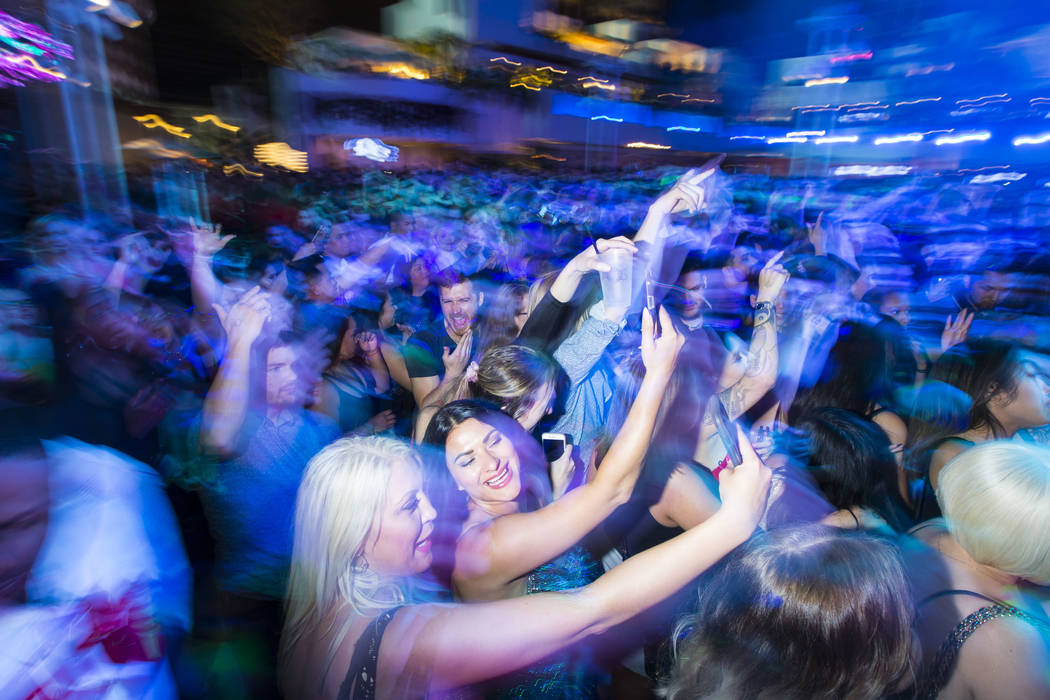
[{"x": 360, "y": 681}]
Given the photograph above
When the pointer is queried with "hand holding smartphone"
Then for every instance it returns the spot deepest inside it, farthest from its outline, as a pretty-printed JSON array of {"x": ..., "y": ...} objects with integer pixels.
[
  {"x": 726, "y": 430},
  {"x": 555, "y": 445}
]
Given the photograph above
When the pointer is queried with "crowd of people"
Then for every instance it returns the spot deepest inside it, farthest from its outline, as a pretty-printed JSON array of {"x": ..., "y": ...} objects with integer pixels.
[{"x": 519, "y": 435}]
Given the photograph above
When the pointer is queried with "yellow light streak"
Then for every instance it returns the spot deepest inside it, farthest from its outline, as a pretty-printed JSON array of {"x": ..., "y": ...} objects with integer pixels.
[
  {"x": 401, "y": 70},
  {"x": 152, "y": 121},
  {"x": 26, "y": 58},
  {"x": 156, "y": 148},
  {"x": 201, "y": 118},
  {"x": 283, "y": 155},
  {"x": 238, "y": 168}
]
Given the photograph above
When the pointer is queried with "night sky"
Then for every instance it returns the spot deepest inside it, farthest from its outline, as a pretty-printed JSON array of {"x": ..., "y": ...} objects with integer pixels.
[{"x": 198, "y": 43}]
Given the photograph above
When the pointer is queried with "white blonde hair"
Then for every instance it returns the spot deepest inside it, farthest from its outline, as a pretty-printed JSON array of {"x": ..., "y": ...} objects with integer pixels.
[
  {"x": 996, "y": 500},
  {"x": 337, "y": 512}
]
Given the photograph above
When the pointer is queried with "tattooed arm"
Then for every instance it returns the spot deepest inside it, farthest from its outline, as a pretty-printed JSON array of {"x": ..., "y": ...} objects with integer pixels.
[
  {"x": 763, "y": 358},
  {"x": 762, "y": 355}
]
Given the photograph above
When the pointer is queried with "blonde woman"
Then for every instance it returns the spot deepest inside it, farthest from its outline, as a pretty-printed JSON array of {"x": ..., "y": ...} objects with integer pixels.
[
  {"x": 362, "y": 531},
  {"x": 984, "y": 606}
]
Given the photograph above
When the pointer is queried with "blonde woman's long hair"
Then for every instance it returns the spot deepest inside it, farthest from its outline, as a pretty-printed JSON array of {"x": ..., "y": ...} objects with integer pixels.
[{"x": 337, "y": 513}]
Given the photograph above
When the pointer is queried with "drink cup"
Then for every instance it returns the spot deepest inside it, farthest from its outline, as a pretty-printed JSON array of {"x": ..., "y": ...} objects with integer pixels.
[{"x": 616, "y": 283}]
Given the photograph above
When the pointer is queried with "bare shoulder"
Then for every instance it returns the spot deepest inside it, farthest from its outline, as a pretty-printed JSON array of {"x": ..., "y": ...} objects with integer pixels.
[
  {"x": 1007, "y": 657},
  {"x": 473, "y": 551},
  {"x": 945, "y": 453},
  {"x": 891, "y": 423}
]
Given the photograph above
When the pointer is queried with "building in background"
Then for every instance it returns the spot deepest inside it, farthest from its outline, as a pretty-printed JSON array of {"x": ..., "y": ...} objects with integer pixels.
[{"x": 512, "y": 78}]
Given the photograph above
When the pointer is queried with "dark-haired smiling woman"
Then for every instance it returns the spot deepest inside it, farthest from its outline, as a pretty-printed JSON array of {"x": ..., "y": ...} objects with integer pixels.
[
  {"x": 510, "y": 541},
  {"x": 509, "y": 531}
]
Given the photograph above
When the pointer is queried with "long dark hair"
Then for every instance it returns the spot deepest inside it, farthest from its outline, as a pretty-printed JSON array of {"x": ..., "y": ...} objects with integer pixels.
[
  {"x": 856, "y": 374},
  {"x": 850, "y": 459},
  {"x": 530, "y": 453},
  {"x": 957, "y": 396},
  {"x": 441, "y": 488}
]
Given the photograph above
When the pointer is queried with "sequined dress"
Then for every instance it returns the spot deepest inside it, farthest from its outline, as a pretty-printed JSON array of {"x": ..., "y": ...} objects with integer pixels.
[
  {"x": 944, "y": 664},
  {"x": 568, "y": 674}
]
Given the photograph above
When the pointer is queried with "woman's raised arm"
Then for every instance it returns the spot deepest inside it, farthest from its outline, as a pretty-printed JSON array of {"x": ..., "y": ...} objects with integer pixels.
[
  {"x": 432, "y": 648},
  {"x": 513, "y": 545}
]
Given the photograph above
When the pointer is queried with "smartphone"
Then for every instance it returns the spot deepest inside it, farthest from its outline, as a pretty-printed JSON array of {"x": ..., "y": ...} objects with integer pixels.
[
  {"x": 555, "y": 445},
  {"x": 725, "y": 429},
  {"x": 650, "y": 301}
]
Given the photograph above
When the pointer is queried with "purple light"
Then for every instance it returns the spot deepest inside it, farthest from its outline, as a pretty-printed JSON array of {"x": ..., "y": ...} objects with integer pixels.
[{"x": 16, "y": 66}]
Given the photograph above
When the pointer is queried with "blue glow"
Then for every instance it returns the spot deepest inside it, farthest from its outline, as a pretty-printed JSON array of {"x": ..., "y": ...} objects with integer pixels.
[
  {"x": 872, "y": 170},
  {"x": 1031, "y": 140},
  {"x": 997, "y": 177},
  {"x": 837, "y": 139},
  {"x": 963, "y": 138},
  {"x": 915, "y": 102},
  {"x": 903, "y": 138},
  {"x": 979, "y": 99}
]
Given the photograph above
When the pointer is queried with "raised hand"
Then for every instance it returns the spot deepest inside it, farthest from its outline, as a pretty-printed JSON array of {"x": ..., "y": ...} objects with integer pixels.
[
  {"x": 207, "y": 238},
  {"x": 744, "y": 489},
  {"x": 659, "y": 353},
  {"x": 955, "y": 331},
  {"x": 382, "y": 421},
  {"x": 245, "y": 319},
  {"x": 372, "y": 149},
  {"x": 686, "y": 195},
  {"x": 130, "y": 248},
  {"x": 456, "y": 361},
  {"x": 818, "y": 235},
  {"x": 772, "y": 278},
  {"x": 588, "y": 260}
]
